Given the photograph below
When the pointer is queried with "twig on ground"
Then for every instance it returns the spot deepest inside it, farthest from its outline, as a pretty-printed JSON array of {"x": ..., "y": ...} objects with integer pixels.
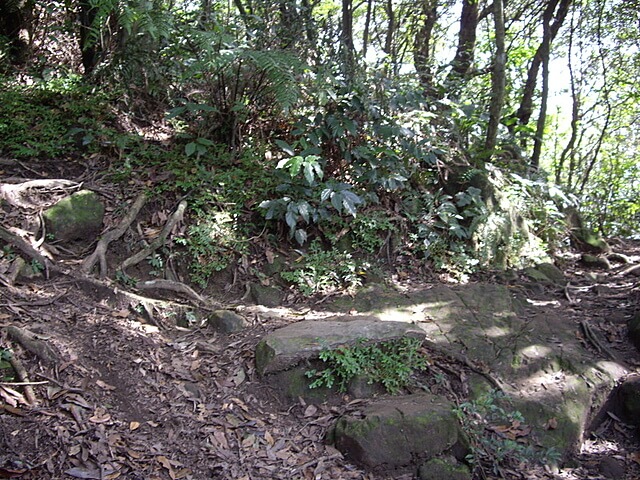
[
  {"x": 159, "y": 241},
  {"x": 98, "y": 254},
  {"x": 21, "y": 372}
]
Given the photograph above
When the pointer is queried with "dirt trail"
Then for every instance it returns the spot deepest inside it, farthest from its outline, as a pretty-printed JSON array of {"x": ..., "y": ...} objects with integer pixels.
[{"x": 124, "y": 399}]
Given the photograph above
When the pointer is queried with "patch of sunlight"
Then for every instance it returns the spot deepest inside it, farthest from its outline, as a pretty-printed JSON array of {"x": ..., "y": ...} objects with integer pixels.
[
  {"x": 145, "y": 327},
  {"x": 535, "y": 351},
  {"x": 612, "y": 369},
  {"x": 496, "y": 332},
  {"x": 544, "y": 303}
]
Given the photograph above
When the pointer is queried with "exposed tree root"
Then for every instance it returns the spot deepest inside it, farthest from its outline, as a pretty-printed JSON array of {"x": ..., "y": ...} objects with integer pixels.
[
  {"x": 23, "y": 376},
  {"x": 22, "y": 245},
  {"x": 31, "y": 343},
  {"x": 99, "y": 254},
  {"x": 159, "y": 241},
  {"x": 177, "y": 287},
  {"x": 15, "y": 194}
]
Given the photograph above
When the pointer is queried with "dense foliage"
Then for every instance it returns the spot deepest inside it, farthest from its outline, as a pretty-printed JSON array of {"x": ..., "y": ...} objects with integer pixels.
[{"x": 418, "y": 134}]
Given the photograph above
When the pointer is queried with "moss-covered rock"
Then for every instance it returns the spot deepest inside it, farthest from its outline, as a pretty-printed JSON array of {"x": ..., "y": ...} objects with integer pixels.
[
  {"x": 582, "y": 237},
  {"x": 76, "y": 217},
  {"x": 226, "y": 321},
  {"x": 266, "y": 295},
  {"x": 398, "y": 432},
  {"x": 446, "y": 468},
  {"x": 288, "y": 346}
]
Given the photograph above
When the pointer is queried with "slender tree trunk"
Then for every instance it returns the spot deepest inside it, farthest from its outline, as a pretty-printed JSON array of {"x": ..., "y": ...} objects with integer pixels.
[
  {"x": 346, "y": 39},
  {"x": 422, "y": 46},
  {"x": 391, "y": 27},
  {"x": 463, "y": 59},
  {"x": 526, "y": 104},
  {"x": 568, "y": 150},
  {"x": 367, "y": 26},
  {"x": 498, "y": 78},
  {"x": 89, "y": 47}
]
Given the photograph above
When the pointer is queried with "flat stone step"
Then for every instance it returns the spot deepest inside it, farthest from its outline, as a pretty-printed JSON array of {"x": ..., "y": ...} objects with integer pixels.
[{"x": 287, "y": 347}]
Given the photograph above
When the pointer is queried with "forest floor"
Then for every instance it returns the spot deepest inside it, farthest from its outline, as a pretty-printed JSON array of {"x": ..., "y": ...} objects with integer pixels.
[{"x": 116, "y": 397}]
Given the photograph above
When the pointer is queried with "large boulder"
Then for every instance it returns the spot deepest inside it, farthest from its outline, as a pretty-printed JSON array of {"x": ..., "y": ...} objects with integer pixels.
[{"x": 76, "y": 217}]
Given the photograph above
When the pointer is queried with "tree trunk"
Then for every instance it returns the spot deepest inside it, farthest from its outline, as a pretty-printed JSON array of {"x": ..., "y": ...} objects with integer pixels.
[
  {"x": 464, "y": 56},
  {"x": 422, "y": 46},
  {"x": 367, "y": 26},
  {"x": 15, "y": 25},
  {"x": 498, "y": 77},
  {"x": 346, "y": 38},
  {"x": 89, "y": 47},
  {"x": 391, "y": 27},
  {"x": 526, "y": 104}
]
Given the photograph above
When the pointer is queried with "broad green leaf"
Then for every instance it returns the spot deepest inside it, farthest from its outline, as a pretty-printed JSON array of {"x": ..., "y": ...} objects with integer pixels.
[
  {"x": 291, "y": 219},
  {"x": 300, "y": 236},
  {"x": 190, "y": 148},
  {"x": 285, "y": 147}
]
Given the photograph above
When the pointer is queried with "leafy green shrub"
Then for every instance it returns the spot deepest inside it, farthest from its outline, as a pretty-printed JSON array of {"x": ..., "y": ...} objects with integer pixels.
[
  {"x": 497, "y": 436},
  {"x": 442, "y": 228},
  {"x": 322, "y": 271},
  {"x": 306, "y": 200},
  {"x": 391, "y": 363},
  {"x": 213, "y": 242}
]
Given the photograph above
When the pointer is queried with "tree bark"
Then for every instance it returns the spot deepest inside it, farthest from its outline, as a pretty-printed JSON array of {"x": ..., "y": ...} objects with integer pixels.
[
  {"x": 15, "y": 22},
  {"x": 463, "y": 59},
  {"x": 422, "y": 46},
  {"x": 526, "y": 104},
  {"x": 89, "y": 47},
  {"x": 498, "y": 77},
  {"x": 346, "y": 38}
]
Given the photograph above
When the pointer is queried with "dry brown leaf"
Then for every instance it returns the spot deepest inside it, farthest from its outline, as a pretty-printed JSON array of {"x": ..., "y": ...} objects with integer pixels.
[
  {"x": 124, "y": 313},
  {"x": 551, "y": 424},
  {"x": 310, "y": 411},
  {"x": 104, "y": 385},
  {"x": 249, "y": 441},
  {"x": 268, "y": 438},
  {"x": 134, "y": 425},
  {"x": 100, "y": 415},
  {"x": 164, "y": 461}
]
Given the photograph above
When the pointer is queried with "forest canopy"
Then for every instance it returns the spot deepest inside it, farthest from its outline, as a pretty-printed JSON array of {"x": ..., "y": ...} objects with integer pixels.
[{"x": 401, "y": 123}]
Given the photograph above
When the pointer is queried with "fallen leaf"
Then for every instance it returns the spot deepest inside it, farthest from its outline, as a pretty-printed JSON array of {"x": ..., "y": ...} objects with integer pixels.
[
  {"x": 124, "y": 313},
  {"x": 79, "y": 472},
  {"x": 104, "y": 385},
  {"x": 100, "y": 416},
  {"x": 310, "y": 411},
  {"x": 551, "y": 424},
  {"x": 134, "y": 425}
]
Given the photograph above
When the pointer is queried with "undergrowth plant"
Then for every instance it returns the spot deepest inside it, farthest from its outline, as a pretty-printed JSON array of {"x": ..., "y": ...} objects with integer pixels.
[
  {"x": 497, "y": 435},
  {"x": 320, "y": 271},
  {"x": 390, "y": 363},
  {"x": 6, "y": 370}
]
